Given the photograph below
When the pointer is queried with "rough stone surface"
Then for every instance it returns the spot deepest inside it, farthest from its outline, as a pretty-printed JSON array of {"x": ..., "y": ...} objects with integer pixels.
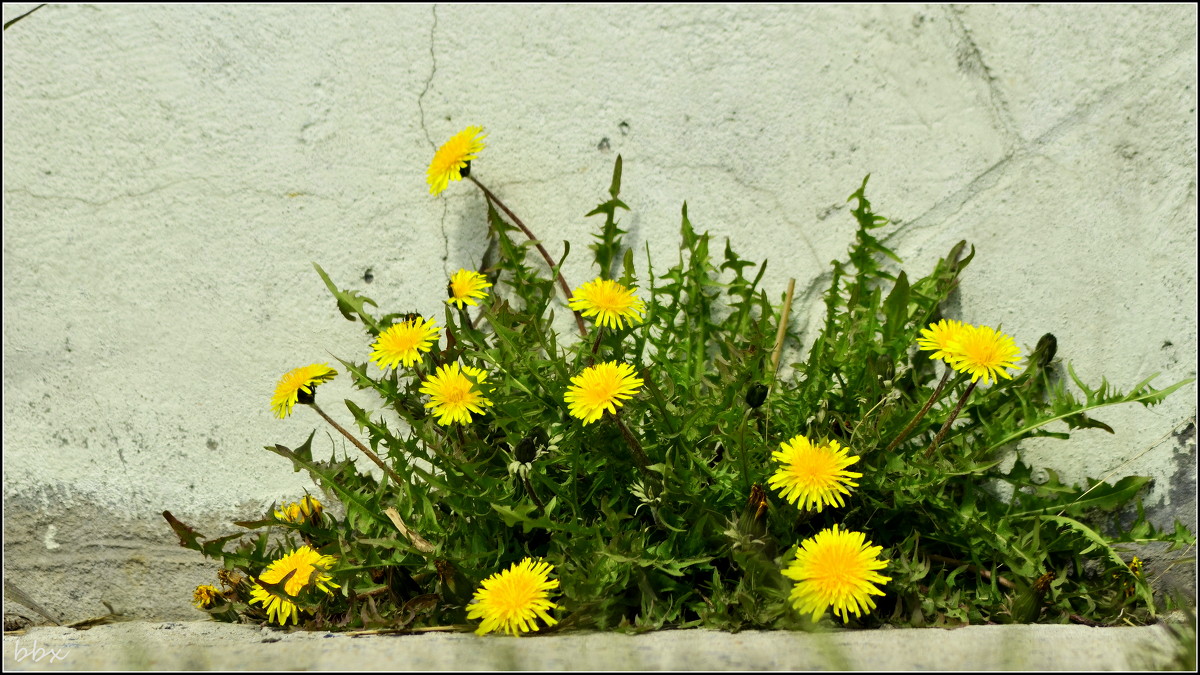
[
  {"x": 213, "y": 646},
  {"x": 170, "y": 172}
]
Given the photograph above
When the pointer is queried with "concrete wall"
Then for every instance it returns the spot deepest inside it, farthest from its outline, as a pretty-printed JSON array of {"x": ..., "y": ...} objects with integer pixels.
[{"x": 170, "y": 172}]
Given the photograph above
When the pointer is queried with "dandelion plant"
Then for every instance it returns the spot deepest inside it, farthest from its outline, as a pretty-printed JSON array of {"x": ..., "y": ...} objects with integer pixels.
[{"x": 659, "y": 467}]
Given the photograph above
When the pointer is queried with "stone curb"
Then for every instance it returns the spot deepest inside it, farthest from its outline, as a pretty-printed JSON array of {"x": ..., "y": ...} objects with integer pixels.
[{"x": 210, "y": 645}]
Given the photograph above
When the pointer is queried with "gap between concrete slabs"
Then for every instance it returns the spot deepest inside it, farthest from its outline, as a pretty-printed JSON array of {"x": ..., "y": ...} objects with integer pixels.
[{"x": 206, "y": 645}]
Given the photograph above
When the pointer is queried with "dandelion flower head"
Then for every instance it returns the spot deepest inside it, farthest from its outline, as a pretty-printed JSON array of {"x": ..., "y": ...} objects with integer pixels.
[
  {"x": 838, "y": 569},
  {"x": 299, "y": 385},
  {"x": 206, "y": 597},
  {"x": 455, "y": 393},
  {"x": 466, "y": 286},
  {"x": 402, "y": 343},
  {"x": 939, "y": 336},
  {"x": 599, "y": 388},
  {"x": 984, "y": 353},
  {"x": 307, "y": 569},
  {"x": 511, "y": 600},
  {"x": 450, "y": 159},
  {"x": 609, "y": 302},
  {"x": 814, "y": 474},
  {"x": 298, "y": 512}
]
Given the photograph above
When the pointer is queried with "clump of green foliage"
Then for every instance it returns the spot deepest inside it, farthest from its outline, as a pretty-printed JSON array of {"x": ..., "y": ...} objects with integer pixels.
[{"x": 695, "y": 540}]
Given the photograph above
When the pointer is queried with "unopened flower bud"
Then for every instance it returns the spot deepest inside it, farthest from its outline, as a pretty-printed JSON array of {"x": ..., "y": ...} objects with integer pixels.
[{"x": 756, "y": 395}]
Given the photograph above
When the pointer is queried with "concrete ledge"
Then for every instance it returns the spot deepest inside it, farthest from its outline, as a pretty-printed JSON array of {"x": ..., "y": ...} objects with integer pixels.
[{"x": 205, "y": 645}]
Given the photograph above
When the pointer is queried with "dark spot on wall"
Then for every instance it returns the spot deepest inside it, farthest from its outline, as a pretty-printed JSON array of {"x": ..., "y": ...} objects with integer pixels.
[
  {"x": 1167, "y": 343},
  {"x": 211, "y": 444},
  {"x": 1185, "y": 435},
  {"x": 368, "y": 276},
  {"x": 1127, "y": 151},
  {"x": 624, "y": 127},
  {"x": 828, "y": 211},
  {"x": 603, "y": 146}
]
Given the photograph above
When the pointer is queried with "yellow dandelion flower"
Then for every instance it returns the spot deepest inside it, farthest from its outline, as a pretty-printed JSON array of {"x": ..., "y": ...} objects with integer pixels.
[
  {"x": 206, "y": 597},
  {"x": 511, "y": 600},
  {"x": 836, "y": 569},
  {"x": 814, "y": 474},
  {"x": 455, "y": 393},
  {"x": 984, "y": 353},
  {"x": 939, "y": 336},
  {"x": 298, "y": 512},
  {"x": 299, "y": 385},
  {"x": 609, "y": 302},
  {"x": 465, "y": 286},
  {"x": 403, "y": 342},
  {"x": 599, "y": 388},
  {"x": 450, "y": 159},
  {"x": 307, "y": 569}
]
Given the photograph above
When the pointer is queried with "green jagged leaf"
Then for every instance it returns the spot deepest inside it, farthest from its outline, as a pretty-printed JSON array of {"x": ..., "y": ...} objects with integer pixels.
[
  {"x": 188, "y": 537},
  {"x": 895, "y": 309},
  {"x": 520, "y": 515},
  {"x": 1065, "y": 405},
  {"x": 1098, "y": 495},
  {"x": 675, "y": 568},
  {"x": 256, "y": 524},
  {"x": 608, "y": 242},
  {"x": 350, "y": 303}
]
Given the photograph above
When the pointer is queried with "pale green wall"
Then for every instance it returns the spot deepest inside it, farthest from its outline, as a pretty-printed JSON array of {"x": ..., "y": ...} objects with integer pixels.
[{"x": 170, "y": 172}]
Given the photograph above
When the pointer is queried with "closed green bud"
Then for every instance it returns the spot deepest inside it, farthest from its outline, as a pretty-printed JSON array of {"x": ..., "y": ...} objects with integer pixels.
[{"x": 756, "y": 395}]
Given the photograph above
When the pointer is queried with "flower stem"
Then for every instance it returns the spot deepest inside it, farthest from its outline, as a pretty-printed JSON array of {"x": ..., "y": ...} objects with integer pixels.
[
  {"x": 532, "y": 494},
  {"x": 449, "y": 338},
  {"x": 639, "y": 455},
  {"x": 781, "y": 332},
  {"x": 657, "y": 395},
  {"x": 596, "y": 345},
  {"x": 946, "y": 427},
  {"x": 971, "y": 568},
  {"x": 928, "y": 404},
  {"x": 358, "y": 444},
  {"x": 537, "y": 242},
  {"x": 742, "y": 450}
]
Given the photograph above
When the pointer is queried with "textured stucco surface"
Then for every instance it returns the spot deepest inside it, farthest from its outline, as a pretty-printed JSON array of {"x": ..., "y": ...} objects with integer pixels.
[{"x": 170, "y": 173}]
